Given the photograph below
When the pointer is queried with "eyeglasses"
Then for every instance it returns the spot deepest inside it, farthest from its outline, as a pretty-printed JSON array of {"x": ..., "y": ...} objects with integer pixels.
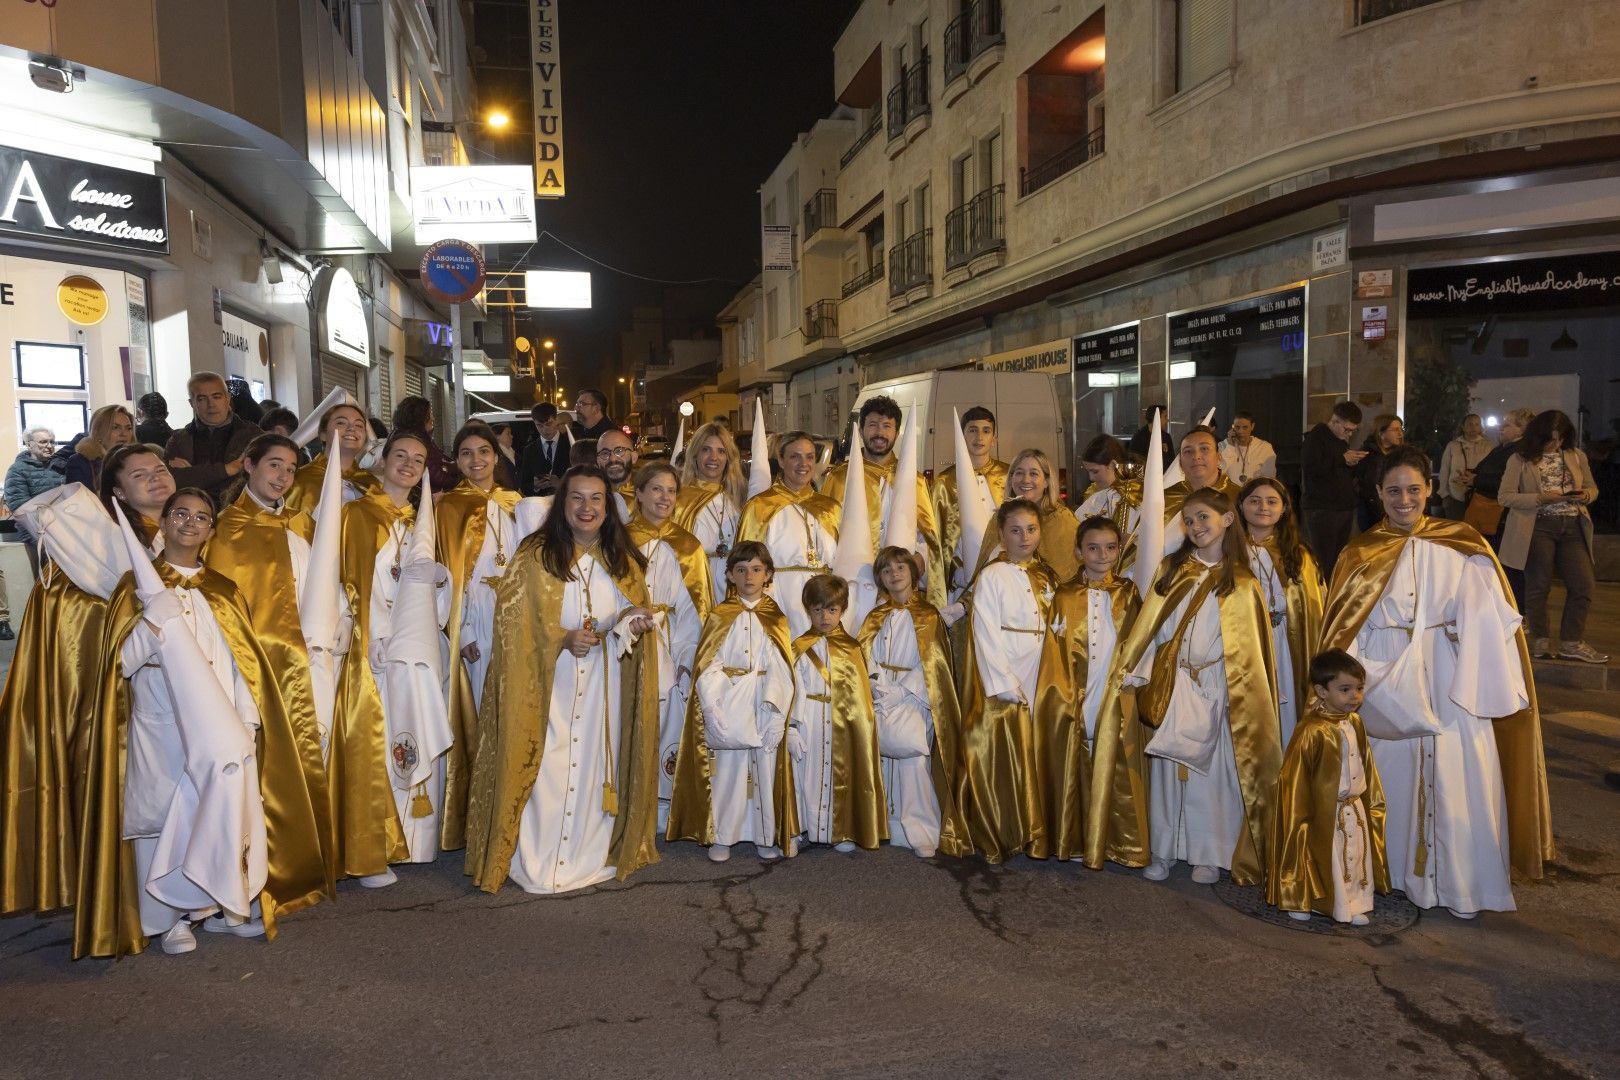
[
  {"x": 615, "y": 452},
  {"x": 178, "y": 516}
]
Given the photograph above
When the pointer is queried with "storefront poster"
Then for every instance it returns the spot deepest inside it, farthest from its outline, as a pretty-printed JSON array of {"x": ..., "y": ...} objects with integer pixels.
[
  {"x": 1276, "y": 316},
  {"x": 52, "y": 198},
  {"x": 1109, "y": 348},
  {"x": 1553, "y": 283}
]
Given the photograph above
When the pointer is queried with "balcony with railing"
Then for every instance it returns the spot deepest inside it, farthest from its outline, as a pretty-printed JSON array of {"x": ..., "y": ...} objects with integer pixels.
[
  {"x": 973, "y": 45},
  {"x": 1372, "y": 10},
  {"x": 1037, "y": 176},
  {"x": 821, "y": 330},
  {"x": 872, "y": 127},
  {"x": 871, "y": 274},
  {"x": 911, "y": 270},
  {"x": 976, "y": 235},
  {"x": 821, "y": 231},
  {"x": 908, "y": 108}
]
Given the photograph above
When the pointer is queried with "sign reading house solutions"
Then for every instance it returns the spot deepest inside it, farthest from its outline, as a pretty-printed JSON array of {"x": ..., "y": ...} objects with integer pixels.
[{"x": 43, "y": 197}]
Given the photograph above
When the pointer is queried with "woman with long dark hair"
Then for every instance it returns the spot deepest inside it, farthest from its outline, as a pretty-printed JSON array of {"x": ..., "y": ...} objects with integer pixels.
[
  {"x": 1387, "y": 433},
  {"x": 1547, "y": 488},
  {"x": 1289, "y": 577},
  {"x": 569, "y": 725},
  {"x": 1450, "y": 710}
]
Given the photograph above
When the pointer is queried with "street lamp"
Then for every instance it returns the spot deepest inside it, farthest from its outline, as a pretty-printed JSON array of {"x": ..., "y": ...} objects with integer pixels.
[{"x": 497, "y": 120}]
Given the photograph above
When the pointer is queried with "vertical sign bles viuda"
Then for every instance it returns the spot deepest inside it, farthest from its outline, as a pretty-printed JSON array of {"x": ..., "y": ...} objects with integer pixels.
[{"x": 545, "y": 53}]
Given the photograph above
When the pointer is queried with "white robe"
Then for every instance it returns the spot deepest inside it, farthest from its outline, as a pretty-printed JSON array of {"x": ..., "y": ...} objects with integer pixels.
[
  {"x": 478, "y": 603},
  {"x": 812, "y": 720},
  {"x": 716, "y": 529},
  {"x": 742, "y": 781},
  {"x": 800, "y": 547},
  {"x": 564, "y": 835},
  {"x": 1274, "y": 586},
  {"x": 187, "y": 861},
  {"x": 1007, "y": 632},
  {"x": 1453, "y": 779},
  {"x": 1103, "y": 504},
  {"x": 1200, "y": 819},
  {"x": 1352, "y": 849},
  {"x": 418, "y": 719},
  {"x": 897, "y": 677},
  {"x": 678, "y": 628}
]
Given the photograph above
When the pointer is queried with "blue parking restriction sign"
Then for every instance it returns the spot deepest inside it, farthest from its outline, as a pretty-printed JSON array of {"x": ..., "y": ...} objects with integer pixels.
[{"x": 453, "y": 271}]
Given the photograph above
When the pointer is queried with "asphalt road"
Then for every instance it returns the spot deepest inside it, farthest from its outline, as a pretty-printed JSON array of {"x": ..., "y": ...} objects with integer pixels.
[{"x": 860, "y": 965}]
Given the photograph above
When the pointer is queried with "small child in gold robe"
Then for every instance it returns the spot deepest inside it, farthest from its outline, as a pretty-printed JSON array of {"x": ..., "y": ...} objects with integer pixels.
[
  {"x": 832, "y": 731},
  {"x": 1327, "y": 854}
]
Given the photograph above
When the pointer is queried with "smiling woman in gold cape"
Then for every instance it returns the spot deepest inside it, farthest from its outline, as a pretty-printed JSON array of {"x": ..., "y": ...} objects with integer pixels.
[{"x": 106, "y": 919}]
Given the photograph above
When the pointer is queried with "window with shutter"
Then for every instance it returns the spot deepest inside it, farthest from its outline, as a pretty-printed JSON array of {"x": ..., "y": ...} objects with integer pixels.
[
  {"x": 335, "y": 373},
  {"x": 414, "y": 376},
  {"x": 1203, "y": 40}
]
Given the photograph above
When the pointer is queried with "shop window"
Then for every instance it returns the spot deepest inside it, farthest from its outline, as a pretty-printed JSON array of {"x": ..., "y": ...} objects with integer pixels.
[
  {"x": 50, "y": 366},
  {"x": 65, "y": 419}
]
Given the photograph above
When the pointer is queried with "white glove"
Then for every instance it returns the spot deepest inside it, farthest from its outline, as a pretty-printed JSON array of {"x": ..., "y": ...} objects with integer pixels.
[
  {"x": 424, "y": 570},
  {"x": 345, "y": 635},
  {"x": 374, "y": 656},
  {"x": 795, "y": 741},
  {"x": 162, "y": 609},
  {"x": 775, "y": 724},
  {"x": 952, "y": 613}
]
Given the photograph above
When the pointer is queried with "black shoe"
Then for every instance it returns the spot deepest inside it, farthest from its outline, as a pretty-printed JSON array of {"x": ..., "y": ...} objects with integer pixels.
[{"x": 5, "y": 630}]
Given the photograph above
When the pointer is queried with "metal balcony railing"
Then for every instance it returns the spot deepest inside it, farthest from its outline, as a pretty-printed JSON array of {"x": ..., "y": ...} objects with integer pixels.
[
  {"x": 866, "y": 277},
  {"x": 958, "y": 45},
  {"x": 976, "y": 227},
  {"x": 987, "y": 30},
  {"x": 821, "y": 320},
  {"x": 909, "y": 97},
  {"x": 862, "y": 139},
  {"x": 821, "y": 212},
  {"x": 1371, "y": 10},
  {"x": 910, "y": 262},
  {"x": 1038, "y": 176}
]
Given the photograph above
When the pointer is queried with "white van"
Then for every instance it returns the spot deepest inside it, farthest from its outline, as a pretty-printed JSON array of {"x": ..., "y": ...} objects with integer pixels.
[{"x": 1028, "y": 414}]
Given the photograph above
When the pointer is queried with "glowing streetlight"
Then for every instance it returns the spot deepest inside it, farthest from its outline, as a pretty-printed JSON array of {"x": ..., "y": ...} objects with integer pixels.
[
  {"x": 497, "y": 119},
  {"x": 548, "y": 344}
]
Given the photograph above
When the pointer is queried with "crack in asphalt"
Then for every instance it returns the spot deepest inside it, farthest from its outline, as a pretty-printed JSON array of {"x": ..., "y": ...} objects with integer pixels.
[
  {"x": 1510, "y": 1050},
  {"x": 979, "y": 887},
  {"x": 737, "y": 972}
]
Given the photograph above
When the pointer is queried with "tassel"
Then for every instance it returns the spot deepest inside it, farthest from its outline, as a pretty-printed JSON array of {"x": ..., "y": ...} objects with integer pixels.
[
  {"x": 421, "y": 805},
  {"x": 610, "y": 799}
]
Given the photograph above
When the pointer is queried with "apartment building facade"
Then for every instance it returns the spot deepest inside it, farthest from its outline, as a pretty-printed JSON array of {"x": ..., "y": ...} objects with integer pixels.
[{"x": 1203, "y": 204}]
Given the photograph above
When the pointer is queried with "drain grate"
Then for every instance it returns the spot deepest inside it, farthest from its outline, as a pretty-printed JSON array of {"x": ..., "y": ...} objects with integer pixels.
[{"x": 1391, "y": 914}]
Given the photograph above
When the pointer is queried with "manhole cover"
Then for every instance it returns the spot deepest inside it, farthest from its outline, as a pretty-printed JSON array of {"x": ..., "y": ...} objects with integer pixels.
[{"x": 1391, "y": 914}]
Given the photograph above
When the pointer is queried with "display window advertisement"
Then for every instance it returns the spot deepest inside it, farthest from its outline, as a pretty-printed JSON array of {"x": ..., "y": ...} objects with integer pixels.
[{"x": 246, "y": 345}]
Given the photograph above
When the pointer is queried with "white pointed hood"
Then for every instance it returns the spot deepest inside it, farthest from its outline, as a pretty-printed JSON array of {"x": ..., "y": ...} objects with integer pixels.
[
  {"x": 1150, "y": 522},
  {"x": 759, "y": 452},
  {"x": 901, "y": 528},
  {"x": 973, "y": 511},
  {"x": 305, "y": 433},
  {"x": 318, "y": 606}
]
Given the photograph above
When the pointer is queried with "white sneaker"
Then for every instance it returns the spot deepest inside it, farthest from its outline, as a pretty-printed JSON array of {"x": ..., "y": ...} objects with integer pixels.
[
  {"x": 768, "y": 852},
  {"x": 179, "y": 939},
  {"x": 923, "y": 852},
  {"x": 1462, "y": 914},
  {"x": 1205, "y": 875},
  {"x": 1300, "y": 916},
  {"x": 379, "y": 881},
  {"x": 1157, "y": 870},
  {"x": 719, "y": 852},
  {"x": 1359, "y": 920},
  {"x": 845, "y": 846},
  {"x": 250, "y": 929}
]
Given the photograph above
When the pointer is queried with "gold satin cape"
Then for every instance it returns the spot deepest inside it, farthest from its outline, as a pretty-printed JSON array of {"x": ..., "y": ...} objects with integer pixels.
[
  {"x": 1359, "y": 582},
  {"x": 305, "y": 492},
  {"x": 688, "y": 552},
  {"x": 1060, "y": 723},
  {"x": 249, "y": 548},
  {"x": 949, "y": 516},
  {"x": 1117, "y": 822},
  {"x": 1006, "y": 773},
  {"x": 860, "y": 808},
  {"x": 1299, "y": 864},
  {"x": 691, "y": 810},
  {"x": 45, "y": 743},
  {"x": 934, "y": 647},
  {"x": 1305, "y": 600},
  {"x": 366, "y": 821},
  {"x": 106, "y": 919},
  {"x": 876, "y": 474},
  {"x": 757, "y": 514},
  {"x": 516, "y": 711},
  {"x": 461, "y": 523}
]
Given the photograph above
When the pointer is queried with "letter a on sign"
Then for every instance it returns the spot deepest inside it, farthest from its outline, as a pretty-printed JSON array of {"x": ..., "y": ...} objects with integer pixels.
[{"x": 545, "y": 55}]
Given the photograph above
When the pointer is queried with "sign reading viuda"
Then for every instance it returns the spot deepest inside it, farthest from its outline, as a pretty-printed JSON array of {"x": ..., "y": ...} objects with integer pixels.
[{"x": 453, "y": 271}]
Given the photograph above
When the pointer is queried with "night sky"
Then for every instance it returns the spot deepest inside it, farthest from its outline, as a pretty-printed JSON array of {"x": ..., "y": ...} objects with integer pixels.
[{"x": 673, "y": 114}]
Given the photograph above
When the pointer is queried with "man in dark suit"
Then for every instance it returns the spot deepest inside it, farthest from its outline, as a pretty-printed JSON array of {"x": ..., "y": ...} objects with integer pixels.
[{"x": 546, "y": 458}]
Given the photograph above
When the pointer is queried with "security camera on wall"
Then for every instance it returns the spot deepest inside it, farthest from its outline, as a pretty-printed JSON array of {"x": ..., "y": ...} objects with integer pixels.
[{"x": 53, "y": 75}]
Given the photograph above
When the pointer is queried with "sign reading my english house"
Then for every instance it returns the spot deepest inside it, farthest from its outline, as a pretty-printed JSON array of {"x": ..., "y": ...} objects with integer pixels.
[
  {"x": 43, "y": 197},
  {"x": 1519, "y": 285}
]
